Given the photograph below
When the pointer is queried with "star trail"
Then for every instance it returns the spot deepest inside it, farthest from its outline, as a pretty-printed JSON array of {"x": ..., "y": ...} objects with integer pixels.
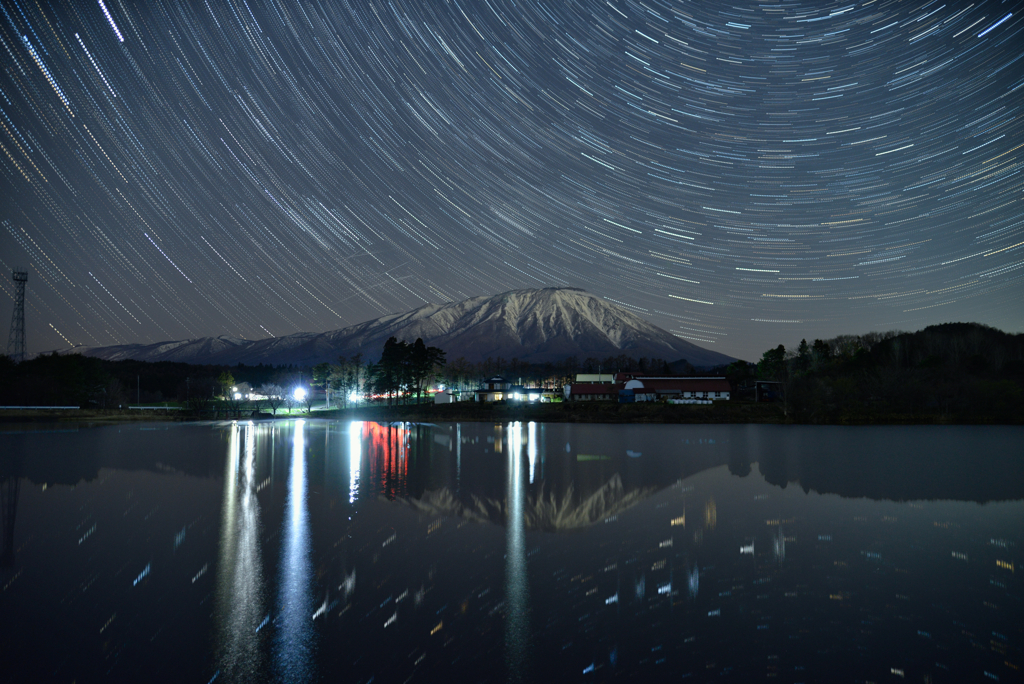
[{"x": 740, "y": 174}]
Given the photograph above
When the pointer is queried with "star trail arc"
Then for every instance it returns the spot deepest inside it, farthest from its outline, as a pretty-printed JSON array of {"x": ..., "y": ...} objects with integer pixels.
[{"x": 783, "y": 169}]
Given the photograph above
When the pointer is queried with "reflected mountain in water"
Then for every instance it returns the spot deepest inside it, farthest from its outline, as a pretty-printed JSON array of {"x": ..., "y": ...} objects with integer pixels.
[
  {"x": 573, "y": 475},
  {"x": 603, "y": 471},
  {"x": 546, "y": 512},
  {"x": 710, "y": 565}
]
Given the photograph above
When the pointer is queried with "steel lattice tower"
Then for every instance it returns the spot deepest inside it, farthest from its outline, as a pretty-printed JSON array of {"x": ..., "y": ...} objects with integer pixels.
[{"x": 16, "y": 341}]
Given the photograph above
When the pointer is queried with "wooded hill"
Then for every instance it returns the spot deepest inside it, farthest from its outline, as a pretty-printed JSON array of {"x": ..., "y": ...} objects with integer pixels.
[{"x": 964, "y": 371}]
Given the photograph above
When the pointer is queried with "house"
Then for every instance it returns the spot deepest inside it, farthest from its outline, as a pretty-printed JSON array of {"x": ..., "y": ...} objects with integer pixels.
[
  {"x": 448, "y": 396},
  {"x": 531, "y": 394},
  {"x": 242, "y": 390},
  {"x": 494, "y": 389},
  {"x": 768, "y": 390},
  {"x": 500, "y": 389}
]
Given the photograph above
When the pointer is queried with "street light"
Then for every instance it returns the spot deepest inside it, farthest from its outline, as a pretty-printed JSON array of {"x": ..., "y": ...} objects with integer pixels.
[{"x": 299, "y": 394}]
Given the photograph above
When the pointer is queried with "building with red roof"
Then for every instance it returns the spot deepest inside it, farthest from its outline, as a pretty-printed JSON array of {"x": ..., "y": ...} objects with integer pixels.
[
  {"x": 633, "y": 387},
  {"x": 592, "y": 391}
]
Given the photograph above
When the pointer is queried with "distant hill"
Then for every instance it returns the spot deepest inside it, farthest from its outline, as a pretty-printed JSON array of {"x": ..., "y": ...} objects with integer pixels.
[
  {"x": 535, "y": 326},
  {"x": 957, "y": 372}
]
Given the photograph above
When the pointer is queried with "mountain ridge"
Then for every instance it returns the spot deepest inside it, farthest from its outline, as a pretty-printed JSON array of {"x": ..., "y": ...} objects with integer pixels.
[{"x": 535, "y": 326}]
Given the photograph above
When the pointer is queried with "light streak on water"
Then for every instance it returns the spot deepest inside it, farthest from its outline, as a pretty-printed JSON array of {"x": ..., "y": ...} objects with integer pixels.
[
  {"x": 293, "y": 648},
  {"x": 517, "y": 593},
  {"x": 355, "y": 429},
  {"x": 239, "y": 569},
  {"x": 531, "y": 447}
]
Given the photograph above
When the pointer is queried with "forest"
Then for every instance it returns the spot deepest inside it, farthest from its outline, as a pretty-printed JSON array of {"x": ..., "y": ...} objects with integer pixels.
[
  {"x": 963, "y": 371},
  {"x": 959, "y": 372},
  {"x": 88, "y": 382}
]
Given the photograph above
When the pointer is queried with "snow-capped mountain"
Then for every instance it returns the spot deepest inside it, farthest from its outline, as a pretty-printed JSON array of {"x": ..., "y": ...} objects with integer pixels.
[{"x": 540, "y": 325}]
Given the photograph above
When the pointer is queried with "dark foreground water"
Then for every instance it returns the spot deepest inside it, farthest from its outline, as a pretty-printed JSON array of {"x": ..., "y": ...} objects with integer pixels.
[{"x": 356, "y": 552}]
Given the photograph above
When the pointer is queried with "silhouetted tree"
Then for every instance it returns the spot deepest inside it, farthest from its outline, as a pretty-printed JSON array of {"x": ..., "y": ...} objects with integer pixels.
[
  {"x": 322, "y": 379},
  {"x": 423, "y": 362},
  {"x": 803, "y": 356},
  {"x": 346, "y": 378},
  {"x": 274, "y": 396},
  {"x": 739, "y": 374},
  {"x": 773, "y": 364},
  {"x": 226, "y": 381}
]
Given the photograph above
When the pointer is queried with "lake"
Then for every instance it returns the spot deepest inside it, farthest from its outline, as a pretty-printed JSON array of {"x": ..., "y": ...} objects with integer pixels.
[{"x": 295, "y": 551}]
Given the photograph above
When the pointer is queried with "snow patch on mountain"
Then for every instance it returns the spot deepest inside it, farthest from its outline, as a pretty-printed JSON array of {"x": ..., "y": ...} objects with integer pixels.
[{"x": 537, "y": 325}]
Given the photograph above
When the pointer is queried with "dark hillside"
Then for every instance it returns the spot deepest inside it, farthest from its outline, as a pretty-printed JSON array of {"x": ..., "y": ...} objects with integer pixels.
[{"x": 963, "y": 371}]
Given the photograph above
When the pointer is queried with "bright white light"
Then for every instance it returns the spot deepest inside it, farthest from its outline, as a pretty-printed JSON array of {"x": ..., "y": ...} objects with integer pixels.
[
  {"x": 238, "y": 395},
  {"x": 354, "y": 397},
  {"x": 299, "y": 394}
]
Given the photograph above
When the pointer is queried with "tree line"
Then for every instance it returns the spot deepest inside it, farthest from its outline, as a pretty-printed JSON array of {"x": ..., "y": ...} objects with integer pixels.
[
  {"x": 404, "y": 373},
  {"x": 88, "y": 382},
  {"x": 405, "y": 370},
  {"x": 959, "y": 370}
]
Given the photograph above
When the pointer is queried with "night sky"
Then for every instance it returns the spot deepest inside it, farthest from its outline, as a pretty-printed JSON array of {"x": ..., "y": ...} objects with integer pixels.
[{"x": 742, "y": 175}]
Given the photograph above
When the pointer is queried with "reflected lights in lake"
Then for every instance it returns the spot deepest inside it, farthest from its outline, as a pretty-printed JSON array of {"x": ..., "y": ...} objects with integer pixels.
[
  {"x": 293, "y": 647},
  {"x": 240, "y": 607},
  {"x": 230, "y": 552},
  {"x": 517, "y": 628}
]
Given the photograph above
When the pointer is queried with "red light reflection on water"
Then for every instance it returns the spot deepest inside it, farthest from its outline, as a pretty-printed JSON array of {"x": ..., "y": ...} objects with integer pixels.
[{"x": 387, "y": 449}]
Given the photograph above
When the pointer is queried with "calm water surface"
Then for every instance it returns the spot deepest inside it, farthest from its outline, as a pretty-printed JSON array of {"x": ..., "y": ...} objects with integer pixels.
[{"x": 356, "y": 552}]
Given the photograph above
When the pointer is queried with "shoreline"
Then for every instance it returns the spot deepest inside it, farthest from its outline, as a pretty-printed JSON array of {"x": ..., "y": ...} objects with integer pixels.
[{"x": 737, "y": 413}]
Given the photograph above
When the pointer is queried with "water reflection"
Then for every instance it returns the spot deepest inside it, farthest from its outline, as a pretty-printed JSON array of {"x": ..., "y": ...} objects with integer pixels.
[
  {"x": 9, "y": 490},
  {"x": 355, "y": 455},
  {"x": 488, "y": 552},
  {"x": 517, "y": 597},
  {"x": 531, "y": 448},
  {"x": 387, "y": 447},
  {"x": 240, "y": 605},
  {"x": 293, "y": 652}
]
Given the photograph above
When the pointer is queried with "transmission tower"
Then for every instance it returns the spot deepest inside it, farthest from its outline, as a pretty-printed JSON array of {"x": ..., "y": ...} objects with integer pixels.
[{"x": 16, "y": 341}]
